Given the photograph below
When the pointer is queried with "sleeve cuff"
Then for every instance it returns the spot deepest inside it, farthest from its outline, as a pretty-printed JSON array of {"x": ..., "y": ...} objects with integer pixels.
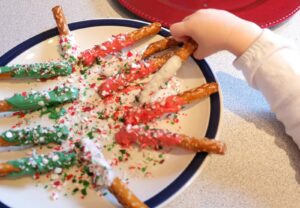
[{"x": 265, "y": 45}]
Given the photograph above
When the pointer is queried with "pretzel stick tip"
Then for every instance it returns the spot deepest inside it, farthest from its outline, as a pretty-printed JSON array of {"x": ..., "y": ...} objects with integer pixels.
[
  {"x": 158, "y": 46},
  {"x": 124, "y": 195},
  {"x": 187, "y": 49},
  {"x": 60, "y": 19},
  {"x": 145, "y": 31},
  {"x": 4, "y": 106},
  {"x": 6, "y": 169},
  {"x": 199, "y": 92},
  {"x": 202, "y": 145}
]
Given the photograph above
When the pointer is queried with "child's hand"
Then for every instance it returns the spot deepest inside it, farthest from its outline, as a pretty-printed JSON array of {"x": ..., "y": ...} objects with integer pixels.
[{"x": 216, "y": 30}]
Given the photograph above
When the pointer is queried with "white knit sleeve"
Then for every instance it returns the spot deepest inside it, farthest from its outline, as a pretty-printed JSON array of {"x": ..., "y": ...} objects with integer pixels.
[{"x": 272, "y": 65}]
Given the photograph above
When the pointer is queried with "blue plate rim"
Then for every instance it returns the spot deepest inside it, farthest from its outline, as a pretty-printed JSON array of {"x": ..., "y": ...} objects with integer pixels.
[{"x": 215, "y": 110}]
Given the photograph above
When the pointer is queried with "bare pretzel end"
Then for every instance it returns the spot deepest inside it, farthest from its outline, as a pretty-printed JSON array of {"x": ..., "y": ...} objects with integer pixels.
[
  {"x": 187, "y": 49},
  {"x": 6, "y": 169},
  {"x": 124, "y": 195},
  {"x": 202, "y": 145},
  {"x": 160, "y": 45},
  {"x": 5, "y": 76},
  {"x": 60, "y": 19},
  {"x": 199, "y": 92},
  {"x": 4, "y": 106},
  {"x": 144, "y": 32}
]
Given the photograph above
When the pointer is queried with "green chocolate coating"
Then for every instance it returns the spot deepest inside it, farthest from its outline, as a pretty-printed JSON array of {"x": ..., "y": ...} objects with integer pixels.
[
  {"x": 42, "y": 163},
  {"x": 38, "y": 70},
  {"x": 38, "y": 100},
  {"x": 38, "y": 135}
]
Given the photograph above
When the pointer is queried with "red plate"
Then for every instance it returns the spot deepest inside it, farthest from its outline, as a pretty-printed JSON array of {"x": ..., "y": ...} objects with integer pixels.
[{"x": 265, "y": 13}]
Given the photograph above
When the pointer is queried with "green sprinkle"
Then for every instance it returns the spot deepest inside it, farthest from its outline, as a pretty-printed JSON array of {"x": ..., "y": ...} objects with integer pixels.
[
  {"x": 90, "y": 135},
  {"x": 84, "y": 192},
  {"x": 75, "y": 190},
  {"x": 86, "y": 183}
]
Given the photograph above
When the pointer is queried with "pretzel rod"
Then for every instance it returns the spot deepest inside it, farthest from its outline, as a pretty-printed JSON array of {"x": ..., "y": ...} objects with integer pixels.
[
  {"x": 36, "y": 135},
  {"x": 37, "y": 100},
  {"x": 68, "y": 45},
  {"x": 154, "y": 138},
  {"x": 36, "y": 71},
  {"x": 61, "y": 21},
  {"x": 186, "y": 50},
  {"x": 140, "y": 71},
  {"x": 124, "y": 195},
  {"x": 126, "y": 90},
  {"x": 202, "y": 145},
  {"x": 5, "y": 106},
  {"x": 171, "y": 104},
  {"x": 37, "y": 164},
  {"x": 199, "y": 92},
  {"x": 167, "y": 71},
  {"x": 158, "y": 46},
  {"x": 103, "y": 175},
  {"x": 117, "y": 43}
]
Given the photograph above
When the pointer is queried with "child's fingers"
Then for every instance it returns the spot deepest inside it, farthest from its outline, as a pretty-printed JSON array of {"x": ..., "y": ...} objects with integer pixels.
[
  {"x": 199, "y": 54},
  {"x": 179, "y": 31}
]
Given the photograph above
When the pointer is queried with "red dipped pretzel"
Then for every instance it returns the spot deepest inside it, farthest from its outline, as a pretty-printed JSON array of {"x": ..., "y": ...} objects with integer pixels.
[
  {"x": 117, "y": 43},
  {"x": 171, "y": 104}
]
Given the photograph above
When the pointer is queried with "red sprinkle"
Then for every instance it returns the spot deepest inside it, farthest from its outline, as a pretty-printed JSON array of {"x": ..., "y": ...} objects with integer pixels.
[
  {"x": 56, "y": 183},
  {"x": 93, "y": 85},
  {"x": 129, "y": 54}
]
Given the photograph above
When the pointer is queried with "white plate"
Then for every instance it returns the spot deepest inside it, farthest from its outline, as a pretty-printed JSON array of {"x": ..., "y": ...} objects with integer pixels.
[{"x": 202, "y": 119}]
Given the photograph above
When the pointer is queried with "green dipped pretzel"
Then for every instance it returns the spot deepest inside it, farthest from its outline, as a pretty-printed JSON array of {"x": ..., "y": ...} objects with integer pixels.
[
  {"x": 36, "y": 71},
  {"x": 38, "y": 164},
  {"x": 37, "y": 135},
  {"x": 38, "y": 100}
]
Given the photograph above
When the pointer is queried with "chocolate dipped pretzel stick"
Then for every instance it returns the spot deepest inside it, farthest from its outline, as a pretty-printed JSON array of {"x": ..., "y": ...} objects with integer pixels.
[
  {"x": 37, "y": 135},
  {"x": 134, "y": 73},
  {"x": 167, "y": 71},
  {"x": 158, "y": 46},
  {"x": 154, "y": 138},
  {"x": 37, "y": 100},
  {"x": 36, "y": 71},
  {"x": 68, "y": 45},
  {"x": 104, "y": 177},
  {"x": 117, "y": 43},
  {"x": 171, "y": 104},
  {"x": 37, "y": 164}
]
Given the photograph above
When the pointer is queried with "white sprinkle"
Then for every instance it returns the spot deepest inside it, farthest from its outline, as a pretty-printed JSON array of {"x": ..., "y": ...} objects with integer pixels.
[
  {"x": 41, "y": 103},
  {"x": 42, "y": 139},
  {"x": 54, "y": 196},
  {"x": 103, "y": 47},
  {"x": 57, "y": 170},
  {"x": 55, "y": 158},
  {"x": 9, "y": 134},
  {"x": 45, "y": 161}
]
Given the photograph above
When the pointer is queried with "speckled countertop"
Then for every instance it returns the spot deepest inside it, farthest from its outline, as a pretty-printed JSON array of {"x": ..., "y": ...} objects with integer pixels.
[{"x": 262, "y": 164}]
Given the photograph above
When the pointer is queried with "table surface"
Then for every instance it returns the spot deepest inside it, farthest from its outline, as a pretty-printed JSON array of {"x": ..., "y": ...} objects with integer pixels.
[{"x": 261, "y": 167}]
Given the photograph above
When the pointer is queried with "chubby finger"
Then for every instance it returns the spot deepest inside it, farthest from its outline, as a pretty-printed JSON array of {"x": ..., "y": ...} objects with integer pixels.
[
  {"x": 199, "y": 54},
  {"x": 202, "y": 52},
  {"x": 179, "y": 31}
]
